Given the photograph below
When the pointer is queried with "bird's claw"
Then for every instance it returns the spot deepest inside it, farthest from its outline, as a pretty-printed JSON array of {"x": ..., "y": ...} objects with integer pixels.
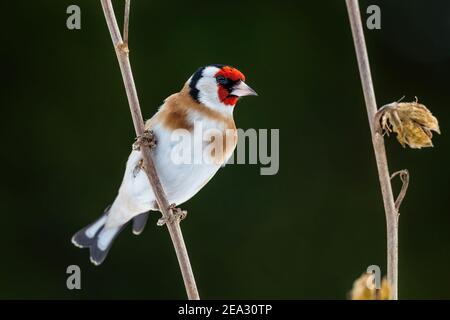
[
  {"x": 177, "y": 215},
  {"x": 145, "y": 139}
]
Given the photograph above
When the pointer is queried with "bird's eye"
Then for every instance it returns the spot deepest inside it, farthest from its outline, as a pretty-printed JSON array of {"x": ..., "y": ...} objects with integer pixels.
[{"x": 222, "y": 80}]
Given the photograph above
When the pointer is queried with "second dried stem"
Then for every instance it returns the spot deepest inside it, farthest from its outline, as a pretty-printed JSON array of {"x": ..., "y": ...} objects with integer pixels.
[{"x": 378, "y": 145}]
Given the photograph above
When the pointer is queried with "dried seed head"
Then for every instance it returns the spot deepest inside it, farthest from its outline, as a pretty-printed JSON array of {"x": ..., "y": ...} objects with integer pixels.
[
  {"x": 364, "y": 289},
  {"x": 411, "y": 121}
]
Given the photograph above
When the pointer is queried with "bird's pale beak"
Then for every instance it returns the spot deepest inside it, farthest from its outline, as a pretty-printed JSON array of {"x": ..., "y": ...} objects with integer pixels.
[{"x": 241, "y": 89}]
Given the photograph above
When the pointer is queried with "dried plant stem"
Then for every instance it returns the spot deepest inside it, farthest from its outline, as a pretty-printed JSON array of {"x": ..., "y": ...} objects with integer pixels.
[
  {"x": 378, "y": 145},
  {"x": 173, "y": 226},
  {"x": 126, "y": 21}
]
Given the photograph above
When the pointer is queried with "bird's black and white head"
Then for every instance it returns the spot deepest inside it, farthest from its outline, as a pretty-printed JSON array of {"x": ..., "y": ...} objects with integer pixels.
[{"x": 219, "y": 87}]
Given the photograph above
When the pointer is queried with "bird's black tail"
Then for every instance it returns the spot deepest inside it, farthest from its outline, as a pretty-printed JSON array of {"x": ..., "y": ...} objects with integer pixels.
[
  {"x": 97, "y": 238},
  {"x": 139, "y": 222}
]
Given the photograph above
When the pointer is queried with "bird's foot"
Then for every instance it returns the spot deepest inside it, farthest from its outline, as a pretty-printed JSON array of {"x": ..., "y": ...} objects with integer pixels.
[
  {"x": 177, "y": 215},
  {"x": 145, "y": 139}
]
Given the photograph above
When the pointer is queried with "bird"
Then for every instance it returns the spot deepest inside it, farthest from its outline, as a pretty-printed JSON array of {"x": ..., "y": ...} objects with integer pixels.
[{"x": 206, "y": 101}]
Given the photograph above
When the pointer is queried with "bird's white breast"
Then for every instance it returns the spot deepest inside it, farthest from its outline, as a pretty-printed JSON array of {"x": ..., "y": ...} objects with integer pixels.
[{"x": 180, "y": 180}]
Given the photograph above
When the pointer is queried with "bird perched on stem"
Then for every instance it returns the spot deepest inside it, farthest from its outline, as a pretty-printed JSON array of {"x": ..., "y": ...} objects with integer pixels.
[{"x": 195, "y": 135}]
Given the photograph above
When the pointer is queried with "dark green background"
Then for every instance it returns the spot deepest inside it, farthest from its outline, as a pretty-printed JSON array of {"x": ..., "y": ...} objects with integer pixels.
[{"x": 307, "y": 232}]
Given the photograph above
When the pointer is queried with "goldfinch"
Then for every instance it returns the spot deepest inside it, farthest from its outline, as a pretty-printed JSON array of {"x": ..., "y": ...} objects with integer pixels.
[{"x": 206, "y": 101}]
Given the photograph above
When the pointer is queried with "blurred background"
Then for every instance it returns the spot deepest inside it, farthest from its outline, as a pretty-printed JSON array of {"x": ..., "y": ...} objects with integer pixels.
[{"x": 307, "y": 232}]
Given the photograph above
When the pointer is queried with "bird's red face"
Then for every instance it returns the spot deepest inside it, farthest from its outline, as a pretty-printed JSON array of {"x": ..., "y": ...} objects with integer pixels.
[
  {"x": 219, "y": 86},
  {"x": 226, "y": 78}
]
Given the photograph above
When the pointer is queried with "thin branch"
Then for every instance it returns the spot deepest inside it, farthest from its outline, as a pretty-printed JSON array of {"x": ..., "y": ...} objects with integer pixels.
[
  {"x": 378, "y": 145},
  {"x": 126, "y": 21},
  {"x": 172, "y": 224},
  {"x": 404, "y": 177}
]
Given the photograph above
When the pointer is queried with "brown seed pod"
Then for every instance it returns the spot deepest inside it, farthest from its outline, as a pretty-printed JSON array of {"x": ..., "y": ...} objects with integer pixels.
[
  {"x": 364, "y": 289},
  {"x": 411, "y": 121}
]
